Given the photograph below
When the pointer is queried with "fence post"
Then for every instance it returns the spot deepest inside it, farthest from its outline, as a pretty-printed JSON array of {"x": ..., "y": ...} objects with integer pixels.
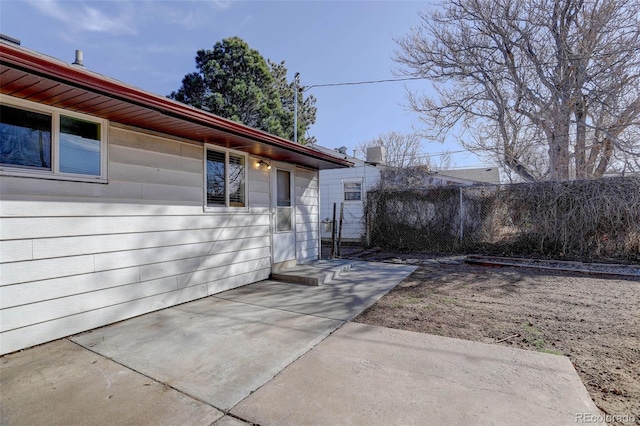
[
  {"x": 367, "y": 224},
  {"x": 333, "y": 233},
  {"x": 340, "y": 227},
  {"x": 461, "y": 212}
]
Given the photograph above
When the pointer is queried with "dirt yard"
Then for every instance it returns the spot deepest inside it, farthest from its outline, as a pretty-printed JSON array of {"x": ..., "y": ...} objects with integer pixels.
[{"x": 594, "y": 320}]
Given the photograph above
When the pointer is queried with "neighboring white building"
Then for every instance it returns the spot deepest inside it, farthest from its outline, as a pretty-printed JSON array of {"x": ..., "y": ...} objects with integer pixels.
[
  {"x": 466, "y": 177},
  {"x": 350, "y": 186},
  {"x": 422, "y": 177},
  {"x": 115, "y": 202}
]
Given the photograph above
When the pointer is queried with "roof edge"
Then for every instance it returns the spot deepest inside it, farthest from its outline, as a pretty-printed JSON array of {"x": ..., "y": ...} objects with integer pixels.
[{"x": 44, "y": 65}]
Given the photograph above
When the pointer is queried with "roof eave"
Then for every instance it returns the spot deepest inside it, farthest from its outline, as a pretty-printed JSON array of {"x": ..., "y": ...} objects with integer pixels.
[{"x": 51, "y": 68}]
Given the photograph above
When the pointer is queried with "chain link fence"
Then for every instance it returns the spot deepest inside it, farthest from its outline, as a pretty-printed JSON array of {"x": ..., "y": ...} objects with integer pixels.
[{"x": 593, "y": 220}]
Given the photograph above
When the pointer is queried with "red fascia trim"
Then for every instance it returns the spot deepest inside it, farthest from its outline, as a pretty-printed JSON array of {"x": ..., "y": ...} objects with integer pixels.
[{"x": 92, "y": 81}]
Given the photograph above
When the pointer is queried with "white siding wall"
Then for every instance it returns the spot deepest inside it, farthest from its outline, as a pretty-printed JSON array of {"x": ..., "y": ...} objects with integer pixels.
[
  {"x": 331, "y": 191},
  {"x": 75, "y": 256},
  {"x": 306, "y": 188}
]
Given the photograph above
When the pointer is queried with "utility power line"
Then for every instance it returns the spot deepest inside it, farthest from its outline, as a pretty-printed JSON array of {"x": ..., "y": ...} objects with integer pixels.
[
  {"x": 435, "y": 154},
  {"x": 355, "y": 83}
]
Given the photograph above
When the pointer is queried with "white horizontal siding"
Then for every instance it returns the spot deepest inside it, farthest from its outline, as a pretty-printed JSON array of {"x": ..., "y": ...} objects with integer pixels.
[
  {"x": 259, "y": 199},
  {"x": 259, "y": 186},
  {"x": 19, "y": 338},
  {"x": 78, "y": 255},
  {"x": 34, "y": 334},
  {"x": 24, "y": 316},
  {"x": 307, "y": 210},
  {"x": 147, "y": 220},
  {"x": 156, "y": 175},
  {"x": 260, "y": 268},
  {"x": 21, "y": 272},
  {"x": 13, "y": 251},
  {"x": 36, "y": 291},
  {"x": 27, "y": 205},
  {"x": 306, "y": 235},
  {"x": 121, "y": 156},
  {"x": 307, "y": 255},
  {"x": 175, "y": 240},
  {"x": 42, "y": 188},
  {"x": 331, "y": 191},
  {"x": 193, "y": 264}
]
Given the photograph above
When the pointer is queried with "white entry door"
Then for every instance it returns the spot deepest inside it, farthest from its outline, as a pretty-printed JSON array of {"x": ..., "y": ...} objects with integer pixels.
[{"x": 284, "y": 217}]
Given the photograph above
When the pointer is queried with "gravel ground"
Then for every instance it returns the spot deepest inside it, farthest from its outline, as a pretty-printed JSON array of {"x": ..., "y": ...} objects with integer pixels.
[{"x": 592, "y": 319}]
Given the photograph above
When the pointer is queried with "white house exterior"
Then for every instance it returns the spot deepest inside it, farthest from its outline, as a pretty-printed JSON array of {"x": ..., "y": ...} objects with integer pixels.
[
  {"x": 115, "y": 202},
  {"x": 348, "y": 186}
]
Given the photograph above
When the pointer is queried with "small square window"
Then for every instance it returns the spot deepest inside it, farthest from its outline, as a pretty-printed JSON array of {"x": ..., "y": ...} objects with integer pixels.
[
  {"x": 353, "y": 191},
  {"x": 225, "y": 179}
]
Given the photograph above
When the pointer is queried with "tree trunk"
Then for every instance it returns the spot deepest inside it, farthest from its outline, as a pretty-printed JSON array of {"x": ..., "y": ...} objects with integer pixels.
[
  {"x": 559, "y": 150},
  {"x": 605, "y": 158},
  {"x": 581, "y": 137}
]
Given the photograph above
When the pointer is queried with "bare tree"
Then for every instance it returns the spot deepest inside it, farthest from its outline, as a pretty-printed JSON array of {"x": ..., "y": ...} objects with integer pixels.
[
  {"x": 552, "y": 87},
  {"x": 401, "y": 149}
]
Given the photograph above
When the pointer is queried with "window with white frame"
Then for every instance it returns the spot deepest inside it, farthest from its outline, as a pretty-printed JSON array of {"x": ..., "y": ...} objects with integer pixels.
[
  {"x": 50, "y": 142},
  {"x": 225, "y": 178},
  {"x": 284, "y": 202},
  {"x": 353, "y": 191}
]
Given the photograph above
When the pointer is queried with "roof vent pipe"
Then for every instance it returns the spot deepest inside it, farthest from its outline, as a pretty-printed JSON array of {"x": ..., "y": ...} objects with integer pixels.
[
  {"x": 79, "y": 58},
  {"x": 10, "y": 39}
]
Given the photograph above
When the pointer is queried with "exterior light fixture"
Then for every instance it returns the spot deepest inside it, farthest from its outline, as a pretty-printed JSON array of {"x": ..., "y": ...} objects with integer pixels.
[{"x": 263, "y": 163}]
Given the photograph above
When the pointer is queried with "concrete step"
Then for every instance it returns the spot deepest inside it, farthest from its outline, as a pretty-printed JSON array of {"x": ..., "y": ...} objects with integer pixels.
[{"x": 313, "y": 273}]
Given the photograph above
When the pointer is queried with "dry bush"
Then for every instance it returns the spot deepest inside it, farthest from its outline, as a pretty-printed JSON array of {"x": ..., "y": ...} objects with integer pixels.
[
  {"x": 584, "y": 220},
  {"x": 580, "y": 219}
]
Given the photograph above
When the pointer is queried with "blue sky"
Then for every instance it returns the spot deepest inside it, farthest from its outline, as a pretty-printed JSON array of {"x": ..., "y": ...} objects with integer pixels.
[{"x": 152, "y": 44}]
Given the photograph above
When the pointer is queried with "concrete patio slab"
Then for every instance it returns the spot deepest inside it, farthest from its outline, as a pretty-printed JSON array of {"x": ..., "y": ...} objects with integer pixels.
[
  {"x": 61, "y": 383},
  {"x": 370, "y": 375},
  {"x": 217, "y": 351},
  {"x": 261, "y": 354},
  {"x": 343, "y": 298}
]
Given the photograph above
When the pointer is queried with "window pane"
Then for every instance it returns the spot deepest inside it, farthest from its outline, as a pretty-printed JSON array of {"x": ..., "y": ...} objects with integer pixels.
[
  {"x": 352, "y": 186},
  {"x": 283, "y": 219},
  {"x": 215, "y": 178},
  {"x": 79, "y": 146},
  {"x": 283, "y": 188},
  {"x": 25, "y": 138},
  {"x": 352, "y": 196},
  {"x": 236, "y": 180},
  {"x": 352, "y": 191}
]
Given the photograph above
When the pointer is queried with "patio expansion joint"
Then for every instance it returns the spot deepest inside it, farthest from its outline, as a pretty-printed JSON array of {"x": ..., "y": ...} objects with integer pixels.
[
  {"x": 282, "y": 371},
  {"x": 151, "y": 378},
  {"x": 229, "y": 414}
]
